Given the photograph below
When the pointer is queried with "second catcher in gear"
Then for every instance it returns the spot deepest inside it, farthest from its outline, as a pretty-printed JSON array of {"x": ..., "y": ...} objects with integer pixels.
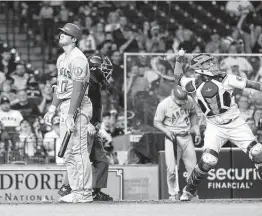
[
  {"x": 213, "y": 92},
  {"x": 73, "y": 73},
  {"x": 175, "y": 116},
  {"x": 100, "y": 75}
]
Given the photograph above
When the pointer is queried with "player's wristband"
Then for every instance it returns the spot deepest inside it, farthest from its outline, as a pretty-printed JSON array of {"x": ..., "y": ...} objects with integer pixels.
[{"x": 52, "y": 108}]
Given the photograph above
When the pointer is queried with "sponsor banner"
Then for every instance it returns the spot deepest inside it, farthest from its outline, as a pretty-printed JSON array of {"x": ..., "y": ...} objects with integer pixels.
[
  {"x": 233, "y": 177},
  {"x": 39, "y": 184},
  {"x": 29, "y": 183}
]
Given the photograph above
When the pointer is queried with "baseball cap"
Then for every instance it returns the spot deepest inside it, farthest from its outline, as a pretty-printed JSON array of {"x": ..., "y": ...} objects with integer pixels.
[{"x": 5, "y": 100}]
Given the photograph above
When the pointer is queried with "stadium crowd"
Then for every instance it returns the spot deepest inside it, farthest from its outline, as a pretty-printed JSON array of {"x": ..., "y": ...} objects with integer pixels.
[{"x": 111, "y": 29}]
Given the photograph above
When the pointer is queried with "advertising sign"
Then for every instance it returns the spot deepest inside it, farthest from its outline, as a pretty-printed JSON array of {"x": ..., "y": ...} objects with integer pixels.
[
  {"x": 233, "y": 177},
  {"x": 42, "y": 184}
]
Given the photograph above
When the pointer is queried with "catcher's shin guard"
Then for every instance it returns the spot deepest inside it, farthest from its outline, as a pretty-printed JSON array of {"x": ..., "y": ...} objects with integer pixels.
[
  {"x": 254, "y": 151},
  {"x": 194, "y": 179},
  {"x": 208, "y": 161}
]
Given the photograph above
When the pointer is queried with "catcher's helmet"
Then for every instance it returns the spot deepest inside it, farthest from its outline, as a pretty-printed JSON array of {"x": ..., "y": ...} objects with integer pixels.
[
  {"x": 198, "y": 61},
  {"x": 103, "y": 64},
  {"x": 72, "y": 30},
  {"x": 180, "y": 95}
]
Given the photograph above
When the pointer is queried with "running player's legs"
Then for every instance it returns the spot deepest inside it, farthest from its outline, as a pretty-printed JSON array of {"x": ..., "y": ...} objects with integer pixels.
[
  {"x": 188, "y": 152},
  {"x": 171, "y": 166},
  {"x": 241, "y": 135},
  {"x": 215, "y": 138}
]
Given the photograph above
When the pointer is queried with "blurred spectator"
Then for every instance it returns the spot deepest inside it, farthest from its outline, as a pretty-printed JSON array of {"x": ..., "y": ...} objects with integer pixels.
[
  {"x": 258, "y": 117},
  {"x": 131, "y": 41},
  {"x": 20, "y": 77},
  {"x": 47, "y": 96},
  {"x": 99, "y": 33},
  {"x": 10, "y": 118},
  {"x": 87, "y": 43},
  {"x": 112, "y": 22},
  {"x": 2, "y": 77},
  {"x": 251, "y": 123},
  {"x": 236, "y": 8},
  {"x": 7, "y": 64},
  {"x": 63, "y": 15},
  {"x": 189, "y": 43},
  {"x": 144, "y": 35},
  {"x": 27, "y": 143},
  {"x": 7, "y": 92},
  {"x": 33, "y": 92},
  {"x": 156, "y": 42},
  {"x": 28, "y": 110},
  {"x": 236, "y": 64},
  {"x": 24, "y": 16},
  {"x": 119, "y": 34},
  {"x": 52, "y": 141},
  {"x": 105, "y": 132},
  {"x": 244, "y": 107},
  {"x": 47, "y": 25},
  {"x": 88, "y": 23},
  {"x": 6, "y": 141},
  {"x": 136, "y": 82},
  {"x": 50, "y": 74},
  {"x": 213, "y": 46}
]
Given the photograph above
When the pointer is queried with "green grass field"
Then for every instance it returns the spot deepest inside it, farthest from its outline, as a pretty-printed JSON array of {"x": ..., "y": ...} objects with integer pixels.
[{"x": 135, "y": 208}]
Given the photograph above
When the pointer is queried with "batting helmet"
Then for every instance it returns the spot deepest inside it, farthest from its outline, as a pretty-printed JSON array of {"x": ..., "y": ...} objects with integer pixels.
[
  {"x": 72, "y": 30},
  {"x": 180, "y": 95}
]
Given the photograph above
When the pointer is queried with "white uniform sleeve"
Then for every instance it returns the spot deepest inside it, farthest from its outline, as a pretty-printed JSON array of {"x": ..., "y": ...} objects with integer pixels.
[
  {"x": 233, "y": 81},
  {"x": 184, "y": 81},
  {"x": 160, "y": 112},
  {"x": 80, "y": 69}
]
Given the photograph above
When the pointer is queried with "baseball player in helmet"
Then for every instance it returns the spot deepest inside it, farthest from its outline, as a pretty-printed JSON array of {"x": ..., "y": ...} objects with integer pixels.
[
  {"x": 100, "y": 75},
  {"x": 73, "y": 73},
  {"x": 176, "y": 116},
  {"x": 213, "y": 92}
]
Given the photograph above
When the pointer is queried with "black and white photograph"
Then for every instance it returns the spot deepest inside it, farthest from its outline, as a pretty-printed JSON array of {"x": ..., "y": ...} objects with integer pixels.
[{"x": 131, "y": 108}]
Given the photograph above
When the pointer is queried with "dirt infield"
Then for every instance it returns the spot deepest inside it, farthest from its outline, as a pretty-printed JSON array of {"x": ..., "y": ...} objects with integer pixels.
[{"x": 136, "y": 208}]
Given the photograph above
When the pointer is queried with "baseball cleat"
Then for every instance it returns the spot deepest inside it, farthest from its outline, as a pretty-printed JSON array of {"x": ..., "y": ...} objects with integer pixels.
[
  {"x": 174, "y": 198},
  {"x": 64, "y": 190},
  {"x": 73, "y": 198},
  {"x": 187, "y": 196},
  {"x": 100, "y": 196}
]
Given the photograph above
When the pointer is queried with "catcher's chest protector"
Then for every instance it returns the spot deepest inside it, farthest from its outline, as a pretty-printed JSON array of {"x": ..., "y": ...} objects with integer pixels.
[{"x": 212, "y": 97}]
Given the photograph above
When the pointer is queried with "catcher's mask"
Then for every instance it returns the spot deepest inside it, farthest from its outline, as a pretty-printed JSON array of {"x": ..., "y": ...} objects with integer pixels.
[
  {"x": 205, "y": 64},
  {"x": 104, "y": 65},
  {"x": 180, "y": 96}
]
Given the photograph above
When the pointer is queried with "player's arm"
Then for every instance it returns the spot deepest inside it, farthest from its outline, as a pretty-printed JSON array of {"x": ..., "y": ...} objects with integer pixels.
[
  {"x": 80, "y": 75},
  {"x": 159, "y": 119},
  {"x": 178, "y": 71},
  {"x": 241, "y": 83}
]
